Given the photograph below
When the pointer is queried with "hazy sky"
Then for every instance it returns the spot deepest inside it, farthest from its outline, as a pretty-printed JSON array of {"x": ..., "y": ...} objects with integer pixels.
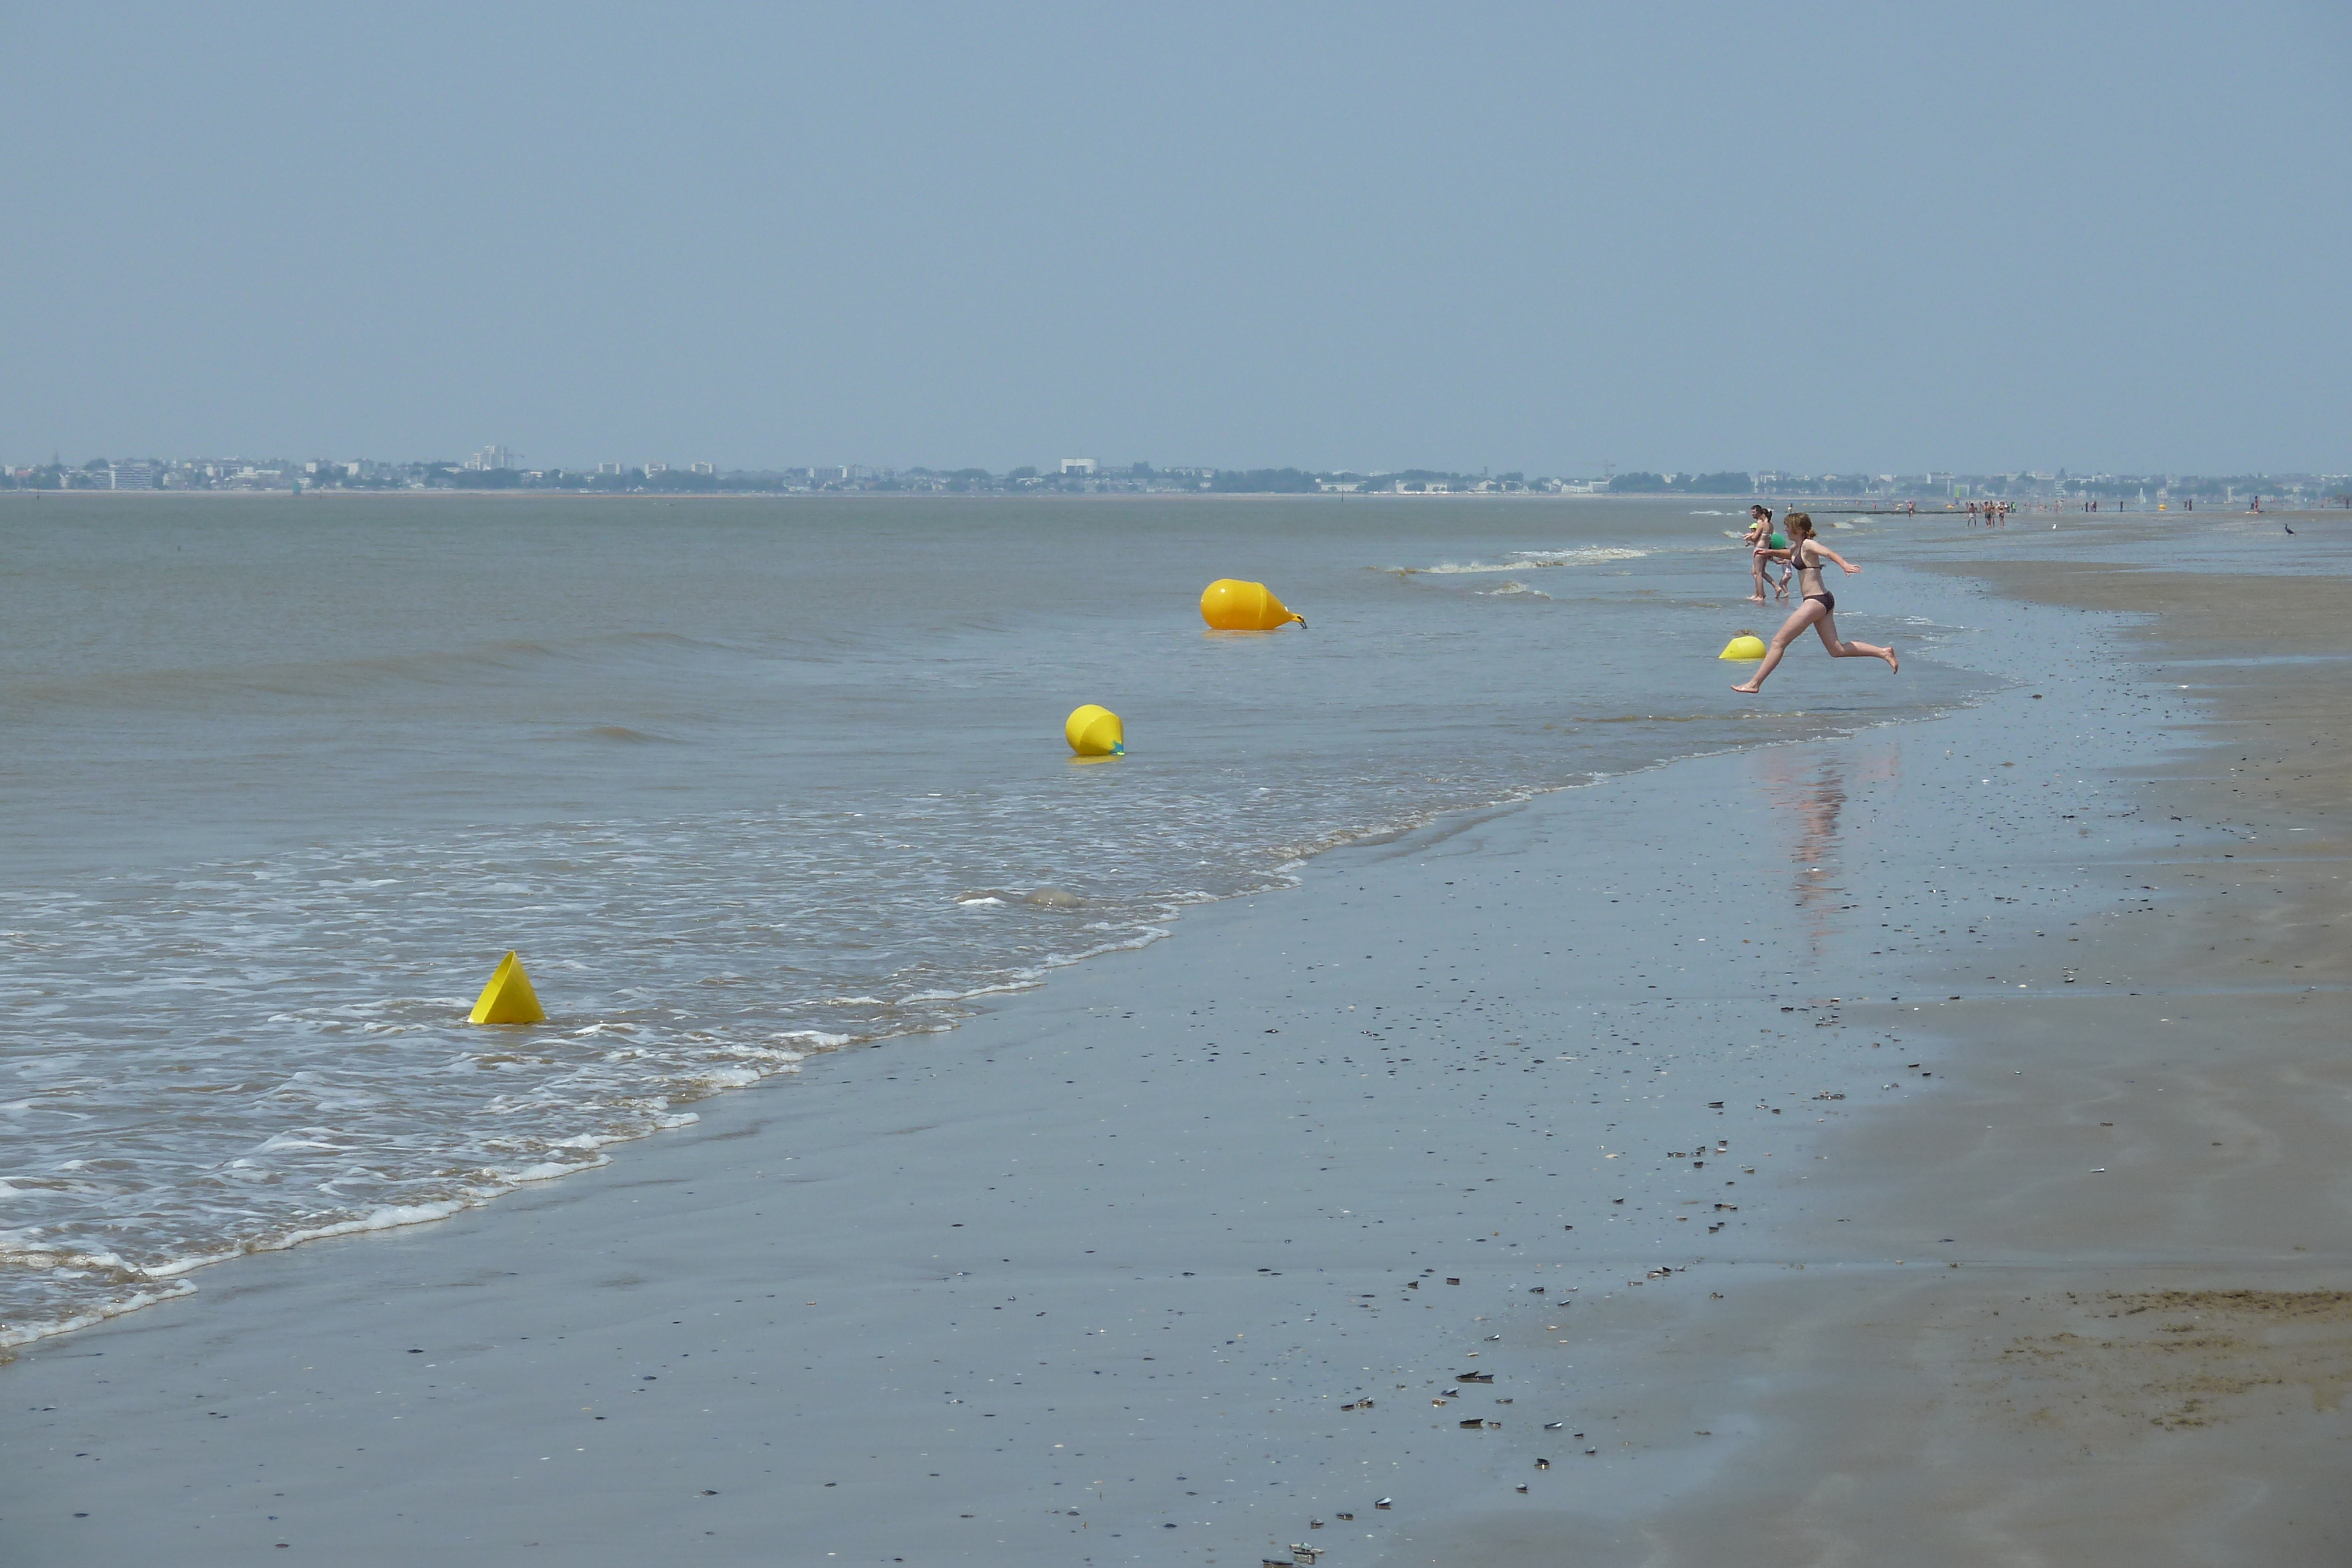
[{"x": 1538, "y": 236}]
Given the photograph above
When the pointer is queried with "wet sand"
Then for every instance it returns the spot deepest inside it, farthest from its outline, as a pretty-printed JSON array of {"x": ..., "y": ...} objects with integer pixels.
[
  {"x": 2091, "y": 1302},
  {"x": 1698, "y": 1081}
]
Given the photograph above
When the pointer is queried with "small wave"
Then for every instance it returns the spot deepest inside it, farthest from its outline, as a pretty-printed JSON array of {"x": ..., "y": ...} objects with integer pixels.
[
  {"x": 12, "y": 1334},
  {"x": 548, "y": 1170},
  {"x": 1513, "y": 587},
  {"x": 1521, "y": 560},
  {"x": 389, "y": 1217}
]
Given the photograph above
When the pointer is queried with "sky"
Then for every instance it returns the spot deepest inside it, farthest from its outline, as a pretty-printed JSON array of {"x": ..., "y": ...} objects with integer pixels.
[{"x": 1819, "y": 236}]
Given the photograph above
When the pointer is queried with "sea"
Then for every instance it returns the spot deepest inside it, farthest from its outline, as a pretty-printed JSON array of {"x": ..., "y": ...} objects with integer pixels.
[{"x": 742, "y": 781}]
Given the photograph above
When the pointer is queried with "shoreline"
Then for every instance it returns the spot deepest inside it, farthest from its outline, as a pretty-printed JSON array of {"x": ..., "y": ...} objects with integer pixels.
[
  {"x": 177, "y": 1280},
  {"x": 172, "y": 1282},
  {"x": 1271, "y": 949}
]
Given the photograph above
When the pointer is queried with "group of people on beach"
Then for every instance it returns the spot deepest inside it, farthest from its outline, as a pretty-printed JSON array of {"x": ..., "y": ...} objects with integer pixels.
[
  {"x": 1994, "y": 514},
  {"x": 1799, "y": 554}
]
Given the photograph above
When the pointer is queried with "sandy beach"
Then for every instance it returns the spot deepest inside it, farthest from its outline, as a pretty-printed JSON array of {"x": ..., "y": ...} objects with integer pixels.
[{"x": 1916, "y": 1144}]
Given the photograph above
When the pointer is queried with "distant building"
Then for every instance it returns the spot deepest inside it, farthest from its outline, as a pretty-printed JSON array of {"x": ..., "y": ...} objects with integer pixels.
[
  {"x": 131, "y": 475},
  {"x": 491, "y": 457},
  {"x": 699, "y": 468},
  {"x": 1085, "y": 465},
  {"x": 656, "y": 467}
]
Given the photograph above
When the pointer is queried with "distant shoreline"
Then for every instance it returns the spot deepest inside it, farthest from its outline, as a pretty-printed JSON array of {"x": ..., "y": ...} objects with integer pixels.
[
  {"x": 521, "y": 495},
  {"x": 1840, "y": 503}
]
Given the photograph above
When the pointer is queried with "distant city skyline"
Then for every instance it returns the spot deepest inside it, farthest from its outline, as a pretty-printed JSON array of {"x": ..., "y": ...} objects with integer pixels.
[{"x": 498, "y": 468}]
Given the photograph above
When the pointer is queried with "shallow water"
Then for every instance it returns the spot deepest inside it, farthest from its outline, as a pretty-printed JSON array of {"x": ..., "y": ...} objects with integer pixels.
[{"x": 741, "y": 780}]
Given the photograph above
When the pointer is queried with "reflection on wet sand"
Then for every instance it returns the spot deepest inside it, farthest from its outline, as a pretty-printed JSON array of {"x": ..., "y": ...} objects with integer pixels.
[{"x": 1808, "y": 789}]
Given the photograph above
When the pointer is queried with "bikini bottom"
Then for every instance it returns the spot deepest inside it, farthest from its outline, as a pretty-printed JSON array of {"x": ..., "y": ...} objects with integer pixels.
[{"x": 1829, "y": 600}]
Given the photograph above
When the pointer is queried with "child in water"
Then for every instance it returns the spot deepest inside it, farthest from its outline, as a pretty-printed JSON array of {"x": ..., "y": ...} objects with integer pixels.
[{"x": 1761, "y": 541}]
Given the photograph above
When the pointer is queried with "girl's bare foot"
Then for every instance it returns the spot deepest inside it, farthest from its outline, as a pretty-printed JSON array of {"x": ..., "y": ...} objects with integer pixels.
[
  {"x": 1755, "y": 599},
  {"x": 1751, "y": 691},
  {"x": 1893, "y": 665}
]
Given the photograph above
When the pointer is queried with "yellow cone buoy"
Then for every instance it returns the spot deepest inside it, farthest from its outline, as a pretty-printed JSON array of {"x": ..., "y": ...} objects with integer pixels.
[
  {"x": 1094, "y": 731},
  {"x": 1747, "y": 645},
  {"x": 1231, "y": 606},
  {"x": 509, "y": 998}
]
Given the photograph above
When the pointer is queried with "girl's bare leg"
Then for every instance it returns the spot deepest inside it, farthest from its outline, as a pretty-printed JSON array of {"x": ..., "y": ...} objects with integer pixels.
[
  {"x": 1756, "y": 571},
  {"x": 1827, "y": 627},
  {"x": 1807, "y": 612}
]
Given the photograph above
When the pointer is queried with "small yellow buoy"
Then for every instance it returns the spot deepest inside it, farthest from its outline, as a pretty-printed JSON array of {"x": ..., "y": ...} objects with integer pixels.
[
  {"x": 1228, "y": 605},
  {"x": 508, "y": 999},
  {"x": 1747, "y": 645},
  {"x": 1094, "y": 731}
]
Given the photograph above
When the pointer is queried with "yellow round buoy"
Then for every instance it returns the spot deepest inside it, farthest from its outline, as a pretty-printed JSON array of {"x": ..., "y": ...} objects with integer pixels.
[
  {"x": 1747, "y": 645},
  {"x": 1094, "y": 731},
  {"x": 1228, "y": 605}
]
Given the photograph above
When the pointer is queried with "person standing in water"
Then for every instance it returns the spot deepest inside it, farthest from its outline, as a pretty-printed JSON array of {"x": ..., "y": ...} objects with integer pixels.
[
  {"x": 1761, "y": 542},
  {"x": 1818, "y": 610}
]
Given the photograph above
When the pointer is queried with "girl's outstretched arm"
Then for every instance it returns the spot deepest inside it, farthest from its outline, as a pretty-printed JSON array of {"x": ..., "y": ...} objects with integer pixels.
[{"x": 1850, "y": 568}]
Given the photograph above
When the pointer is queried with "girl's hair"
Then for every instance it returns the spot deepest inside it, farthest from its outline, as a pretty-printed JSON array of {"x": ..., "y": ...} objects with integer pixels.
[
  {"x": 1760, "y": 507},
  {"x": 1800, "y": 525}
]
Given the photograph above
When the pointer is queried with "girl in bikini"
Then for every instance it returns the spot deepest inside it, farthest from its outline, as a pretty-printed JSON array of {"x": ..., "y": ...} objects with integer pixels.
[{"x": 1818, "y": 609}]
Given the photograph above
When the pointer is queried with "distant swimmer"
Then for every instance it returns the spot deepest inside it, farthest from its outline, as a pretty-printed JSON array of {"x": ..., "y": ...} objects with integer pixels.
[
  {"x": 1761, "y": 541},
  {"x": 1818, "y": 609}
]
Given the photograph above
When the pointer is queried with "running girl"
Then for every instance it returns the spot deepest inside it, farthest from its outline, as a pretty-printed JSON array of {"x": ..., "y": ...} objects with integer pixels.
[{"x": 1818, "y": 609}]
